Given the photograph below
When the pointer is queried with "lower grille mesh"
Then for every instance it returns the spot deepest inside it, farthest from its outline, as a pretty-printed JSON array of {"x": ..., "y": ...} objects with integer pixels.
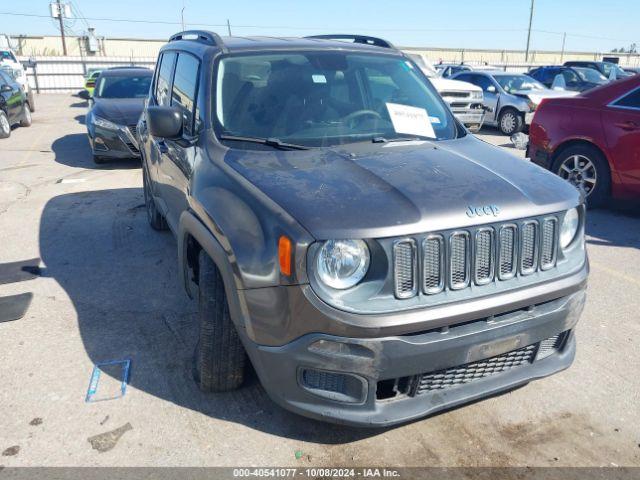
[{"x": 462, "y": 374}]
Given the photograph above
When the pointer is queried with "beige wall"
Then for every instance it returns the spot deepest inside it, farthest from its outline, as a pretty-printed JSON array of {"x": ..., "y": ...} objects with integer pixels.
[
  {"x": 126, "y": 47},
  {"x": 77, "y": 46}
]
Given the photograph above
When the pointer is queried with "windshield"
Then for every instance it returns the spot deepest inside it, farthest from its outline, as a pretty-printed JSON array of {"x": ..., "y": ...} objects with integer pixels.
[
  {"x": 327, "y": 98},
  {"x": 516, "y": 83},
  {"x": 607, "y": 67},
  {"x": 590, "y": 75},
  {"x": 123, "y": 87}
]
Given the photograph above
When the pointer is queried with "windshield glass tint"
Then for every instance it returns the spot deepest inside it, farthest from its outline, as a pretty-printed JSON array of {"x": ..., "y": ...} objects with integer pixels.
[
  {"x": 515, "y": 83},
  {"x": 323, "y": 98},
  {"x": 123, "y": 87},
  {"x": 591, "y": 75}
]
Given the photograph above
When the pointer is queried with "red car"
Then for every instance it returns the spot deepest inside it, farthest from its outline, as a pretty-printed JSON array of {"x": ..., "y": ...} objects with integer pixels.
[{"x": 592, "y": 140}]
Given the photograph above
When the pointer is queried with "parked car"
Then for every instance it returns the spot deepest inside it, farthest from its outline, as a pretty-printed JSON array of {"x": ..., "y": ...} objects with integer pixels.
[
  {"x": 344, "y": 233},
  {"x": 577, "y": 79},
  {"x": 448, "y": 70},
  {"x": 605, "y": 68},
  {"x": 90, "y": 80},
  {"x": 592, "y": 140},
  {"x": 510, "y": 98},
  {"x": 14, "y": 105},
  {"x": 9, "y": 60},
  {"x": 464, "y": 99},
  {"x": 115, "y": 108}
]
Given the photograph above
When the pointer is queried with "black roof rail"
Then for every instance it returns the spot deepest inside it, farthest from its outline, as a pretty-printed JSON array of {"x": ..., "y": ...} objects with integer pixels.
[
  {"x": 203, "y": 36},
  {"x": 364, "y": 39}
]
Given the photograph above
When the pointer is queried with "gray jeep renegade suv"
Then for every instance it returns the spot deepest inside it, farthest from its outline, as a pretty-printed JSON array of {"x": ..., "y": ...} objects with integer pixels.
[{"x": 344, "y": 234}]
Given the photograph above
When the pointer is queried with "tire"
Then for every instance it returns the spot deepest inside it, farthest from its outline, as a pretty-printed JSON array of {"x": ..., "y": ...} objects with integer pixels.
[
  {"x": 5, "y": 127},
  {"x": 26, "y": 116},
  {"x": 510, "y": 121},
  {"x": 588, "y": 170},
  {"x": 98, "y": 160},
  {"x": 219, "y": 357},
  {"x": 155, "y": 218},
  {"x": 32, "y": 104}
]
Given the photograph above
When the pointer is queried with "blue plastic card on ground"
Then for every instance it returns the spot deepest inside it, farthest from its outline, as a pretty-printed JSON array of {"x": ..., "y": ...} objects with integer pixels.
[{"x": 111, "y": 385}]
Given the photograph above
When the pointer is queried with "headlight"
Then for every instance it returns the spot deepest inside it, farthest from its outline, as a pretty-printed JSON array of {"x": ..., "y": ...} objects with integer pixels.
[
  {"x": 342, "y": 263},
  {"x": 569, "y": 227},
  {"x": 101, "y": 122},
  {"x": 476, "y": 94}
]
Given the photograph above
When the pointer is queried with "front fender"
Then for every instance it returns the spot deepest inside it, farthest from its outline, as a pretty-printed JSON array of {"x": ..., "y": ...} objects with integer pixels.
[{"x": 189, "y": 225}]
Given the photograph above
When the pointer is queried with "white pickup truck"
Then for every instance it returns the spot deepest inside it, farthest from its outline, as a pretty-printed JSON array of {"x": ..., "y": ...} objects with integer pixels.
[
  {"x": 464, "y": 99},
  {"x": 10, "y": 64}
]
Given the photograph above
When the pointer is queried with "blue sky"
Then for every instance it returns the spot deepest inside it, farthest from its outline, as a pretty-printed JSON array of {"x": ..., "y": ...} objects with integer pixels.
[{"x": 590, "y": 24}]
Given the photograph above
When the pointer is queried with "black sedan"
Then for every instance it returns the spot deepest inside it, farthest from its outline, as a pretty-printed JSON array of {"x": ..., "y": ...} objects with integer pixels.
[
  {"x": 14, "y": 105},
  {"x": 116, "y": 106},
  {"x": 577, "y": 79}
]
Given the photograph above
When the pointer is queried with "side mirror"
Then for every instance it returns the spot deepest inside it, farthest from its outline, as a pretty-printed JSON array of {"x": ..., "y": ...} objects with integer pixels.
[
  {"x": 491, "y": 89},
  {"x": 6, "y": 88},
  {"x": 164, "y": 122}
]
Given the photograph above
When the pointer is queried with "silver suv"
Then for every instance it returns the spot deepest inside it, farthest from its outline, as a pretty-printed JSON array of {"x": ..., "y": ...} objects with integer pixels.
[{"x": 347, "y": 236}]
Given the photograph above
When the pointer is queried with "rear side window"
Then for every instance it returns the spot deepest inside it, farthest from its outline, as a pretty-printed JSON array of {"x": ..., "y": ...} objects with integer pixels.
[
  {"x": 631, "y": 100},
  {"x": 163, "y": 82},
  {"x": 185, "y": 86}
]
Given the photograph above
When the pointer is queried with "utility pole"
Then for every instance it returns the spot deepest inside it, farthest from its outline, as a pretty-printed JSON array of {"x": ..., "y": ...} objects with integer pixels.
[
  {"x": 229, "y": 27},
  {"x": 564, "y": 40},
  {"x": 526, "y": 55},
  {"x": 64, "y": 42}
]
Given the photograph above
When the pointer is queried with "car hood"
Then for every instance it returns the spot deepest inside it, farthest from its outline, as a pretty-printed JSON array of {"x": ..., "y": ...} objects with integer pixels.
[
  {"x": 122, "y": 111},
  {"x": 536, "y": 96},
  {"x": 383, "y": 190},
  {"x": 456, "y": 85}
]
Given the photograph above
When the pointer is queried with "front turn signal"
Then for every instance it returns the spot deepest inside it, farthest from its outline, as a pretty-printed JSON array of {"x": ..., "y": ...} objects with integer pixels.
[{"x": 284, "y": 255}]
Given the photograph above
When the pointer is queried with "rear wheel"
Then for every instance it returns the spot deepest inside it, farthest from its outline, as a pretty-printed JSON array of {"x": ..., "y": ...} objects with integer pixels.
[
  {"x": 586, "y": 168},
  {"x": 156, "y": 220},
  {"x": 26, "y": 116},
  {"x": 5, "y": 128},
  {"x": 510, "y": 121},
  {"x": 220, "y": 356}
]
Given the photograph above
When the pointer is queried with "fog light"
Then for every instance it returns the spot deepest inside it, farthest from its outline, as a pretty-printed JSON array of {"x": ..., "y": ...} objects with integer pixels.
[{"x": 341, "y": 387}]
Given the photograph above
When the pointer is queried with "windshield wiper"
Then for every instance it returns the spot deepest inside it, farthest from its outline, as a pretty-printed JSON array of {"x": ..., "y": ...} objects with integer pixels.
[
  {"x": 400, "y": 139},
  {"x": 271, "y": 142}
]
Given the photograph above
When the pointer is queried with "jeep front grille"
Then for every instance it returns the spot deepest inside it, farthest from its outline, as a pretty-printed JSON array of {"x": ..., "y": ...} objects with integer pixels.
[
  {"x": 476, "y": 256},
  {"x": 405, "y": 262}
]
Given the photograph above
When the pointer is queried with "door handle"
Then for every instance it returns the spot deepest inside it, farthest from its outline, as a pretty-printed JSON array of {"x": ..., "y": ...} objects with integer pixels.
[{"x": 628, "y": 126}]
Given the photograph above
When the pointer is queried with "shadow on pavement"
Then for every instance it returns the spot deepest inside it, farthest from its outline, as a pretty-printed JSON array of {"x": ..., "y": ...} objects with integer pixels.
[
  {"x": 618, "y": 226},
  {"x": 73, "y": 150},
  {"x": 122, "y": 279}
]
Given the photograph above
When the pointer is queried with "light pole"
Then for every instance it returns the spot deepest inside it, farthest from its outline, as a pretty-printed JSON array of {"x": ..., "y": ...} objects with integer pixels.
[
  {"x": 526, "y": 55},
  {"x": 64, "y": 42}
]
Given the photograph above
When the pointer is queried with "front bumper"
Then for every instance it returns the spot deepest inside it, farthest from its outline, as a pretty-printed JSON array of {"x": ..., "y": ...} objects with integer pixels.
[
  {"x": 113, "y": 143},
  {"x": 375, "y": 367},
  {"x": 472, "y": 117}
]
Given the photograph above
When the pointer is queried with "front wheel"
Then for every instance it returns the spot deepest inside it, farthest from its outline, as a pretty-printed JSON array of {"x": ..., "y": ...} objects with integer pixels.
[
  {"x": 5, "y": 128},
  {"x": 220, "y": 356},
  {"x": 585, "y": 168},
  {"x": 26, "y": 116},
  {"x": 510, "y": 121}
]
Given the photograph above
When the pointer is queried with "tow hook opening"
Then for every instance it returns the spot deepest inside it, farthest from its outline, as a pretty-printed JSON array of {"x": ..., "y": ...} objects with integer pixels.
[{"x": 393, "y": 388}]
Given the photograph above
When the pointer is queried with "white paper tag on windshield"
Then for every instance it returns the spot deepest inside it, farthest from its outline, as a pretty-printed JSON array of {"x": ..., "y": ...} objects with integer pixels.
[{"x": 410, "y": 120}]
